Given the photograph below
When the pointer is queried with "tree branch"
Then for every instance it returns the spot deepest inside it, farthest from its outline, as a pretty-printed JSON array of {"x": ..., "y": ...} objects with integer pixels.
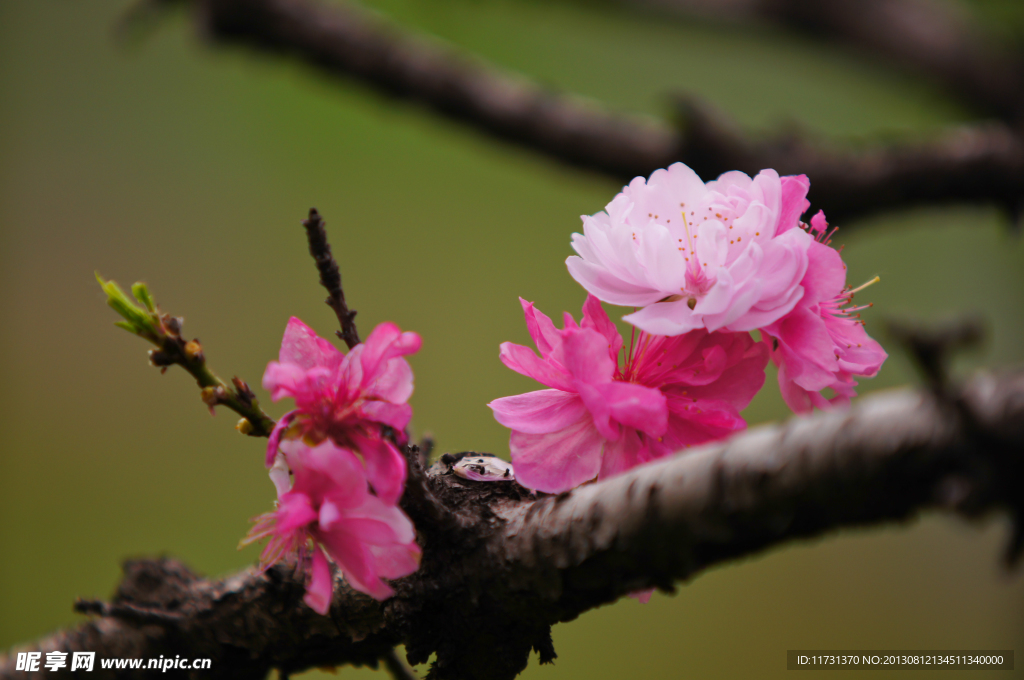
[
  {"x": 971, "y": 163},
  {"x": 500, "y": 566},
  {"x": 930, "y": 37},
  {"x": 164, "y": 331},
  {"x": 330, "y": 277},
  {"x": 398, "y": 669},
  {"x": 983, "y": 163}
]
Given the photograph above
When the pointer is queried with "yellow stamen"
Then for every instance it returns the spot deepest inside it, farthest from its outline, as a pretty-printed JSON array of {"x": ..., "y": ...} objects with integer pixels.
[{"x": 865, "y": 285}]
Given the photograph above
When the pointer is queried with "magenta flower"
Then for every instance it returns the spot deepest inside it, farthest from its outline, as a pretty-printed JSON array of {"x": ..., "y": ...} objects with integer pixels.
[
  {"x": 330, "y": 512},
  {"x": 822, "y": 343},
  {"x": 720, "y": 256},
  {"x": 600, "y": 419},
  {"x": 347, "y": 398}
]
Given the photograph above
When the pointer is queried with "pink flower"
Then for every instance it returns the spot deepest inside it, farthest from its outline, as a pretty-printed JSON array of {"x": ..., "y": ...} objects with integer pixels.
[
  {"x": 600, "y": 419},
  {"x": 330, "y": 512},
  {"x": 821, "y": 343},
  {"x": 348, "y": 398},
  {"x": 723, "y": 255}
]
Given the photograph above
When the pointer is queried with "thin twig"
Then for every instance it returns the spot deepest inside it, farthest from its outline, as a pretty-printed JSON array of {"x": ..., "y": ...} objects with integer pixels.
[
  {"x": 931, "y": 346},
  {"x": 330, "y": 277},
  {"x": 164, "y": 331}
]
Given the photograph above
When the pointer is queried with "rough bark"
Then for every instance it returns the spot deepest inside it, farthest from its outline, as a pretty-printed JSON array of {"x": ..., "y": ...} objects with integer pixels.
[
  {"x": 500, "y": 566},
  {"x": 980, "y": 163}
]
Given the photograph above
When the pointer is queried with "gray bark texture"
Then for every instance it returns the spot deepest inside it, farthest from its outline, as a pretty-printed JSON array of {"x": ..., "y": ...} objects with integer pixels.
[{"x": 501, "y": 565}]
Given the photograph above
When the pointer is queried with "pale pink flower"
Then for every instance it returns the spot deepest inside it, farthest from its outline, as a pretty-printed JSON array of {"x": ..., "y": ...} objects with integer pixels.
[
  {"x": 822, "y": 343},
  {"x": 348, "y": 398},
  {"x": 720, "y": 256},
  {"x": 600, "y": 419},
  {"x": 330, "y": 512}
]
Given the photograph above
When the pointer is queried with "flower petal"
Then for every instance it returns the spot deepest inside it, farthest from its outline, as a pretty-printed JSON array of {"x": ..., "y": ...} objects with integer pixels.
[
  {"x": 396, "y": 416},
  {"x": 326, "y": 469},
  {"x": 623, "y": 455},
  {"x": 542, "y": 330},
  {"x": 284, "y": 380},
  {"x": 557, "y": 461},
  {"x": 585, "y": 356},
  {"x": 320, "y": 586},
  {"x": 302, "y": 347},
  {"x": 539, "y": 412},
  {"x": 794, "y": 201},
  {"x": 666, "y": 318},
  {"x": 379, "y": 523},
  {"x": 385, "y": 467},
  {"x": 295, "y": 510},
  {"x": 275, "y": 435},
  {"x": 598, "y": 281},
  {"x": 356, "y": 563},
  {"x": 825, "y": 276},
  {"x": 384, "y": 343},
  {"x": 805, "y": 348},
  {"x": 280, "y": 475},
  {"x": 522, "y": 360},
  {"x": 394, "y": 383},
  {"x": 635, "y": 406},
  {"x": 395, "y": 561},
  {"x": 594, "y": 318}
]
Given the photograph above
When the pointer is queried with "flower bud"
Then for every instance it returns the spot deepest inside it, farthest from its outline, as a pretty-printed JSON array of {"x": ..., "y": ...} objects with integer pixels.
[
  {"x": 209, "y": 396},
  {"x": 193, "y": 350},
  {"x": 159, "y": 358},
  {"x": 244, "y": 426},
  {"x": 172, "y": 324},
  {"x": 245, "y": 393}
]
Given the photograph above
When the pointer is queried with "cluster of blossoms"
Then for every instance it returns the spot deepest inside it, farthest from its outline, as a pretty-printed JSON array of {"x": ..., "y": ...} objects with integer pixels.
[
  {"x": 600, "y": 419},
  {"x": 335, "y": 462},
  {"x": 704, "y": 265}
]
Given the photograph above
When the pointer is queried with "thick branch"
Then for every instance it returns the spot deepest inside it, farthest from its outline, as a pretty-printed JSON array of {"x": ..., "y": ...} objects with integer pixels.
[
  {"x": 931, "y": 37},
  {"x": 886, "y": 460},
  {"x": 983, "y": 163},
  {"x": 500, "y": 566}
]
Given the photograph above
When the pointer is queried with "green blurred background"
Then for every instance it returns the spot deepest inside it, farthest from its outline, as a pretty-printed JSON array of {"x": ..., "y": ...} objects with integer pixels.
[{"x": 190, "y": 168}]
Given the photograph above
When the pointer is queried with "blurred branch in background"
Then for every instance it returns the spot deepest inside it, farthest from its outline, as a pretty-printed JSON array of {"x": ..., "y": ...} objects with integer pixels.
[
  {"x": 974, "y": 163},
  {"x": 971, "y": 163},
  {"x": 934, "y": 38},
  {"x": 501, "y": 566}
]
